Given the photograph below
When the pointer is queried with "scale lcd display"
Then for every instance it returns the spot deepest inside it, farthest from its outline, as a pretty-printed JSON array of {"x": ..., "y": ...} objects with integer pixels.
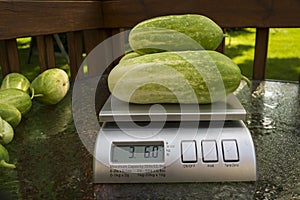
[{"x": 137, "y": 152}]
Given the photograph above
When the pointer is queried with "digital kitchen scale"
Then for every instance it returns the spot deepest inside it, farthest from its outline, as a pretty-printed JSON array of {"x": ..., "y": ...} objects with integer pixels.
[{"x": 173, "y": 143}]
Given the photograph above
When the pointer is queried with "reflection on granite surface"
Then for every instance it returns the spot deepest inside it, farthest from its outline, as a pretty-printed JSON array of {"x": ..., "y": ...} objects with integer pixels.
[
  {"x": 274, "y": 121},
  {"x": 51, "y": 161}
]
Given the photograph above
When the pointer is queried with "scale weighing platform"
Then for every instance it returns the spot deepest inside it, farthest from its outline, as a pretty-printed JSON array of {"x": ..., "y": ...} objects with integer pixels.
[{"x": 173, "y": 143}]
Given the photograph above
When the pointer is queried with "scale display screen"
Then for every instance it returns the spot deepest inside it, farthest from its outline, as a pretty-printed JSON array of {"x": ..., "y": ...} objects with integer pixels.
[{"x": 137, "y": 152}]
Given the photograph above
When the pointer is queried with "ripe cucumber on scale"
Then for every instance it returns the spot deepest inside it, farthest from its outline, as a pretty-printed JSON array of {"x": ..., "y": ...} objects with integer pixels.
[{"x": 175, "y": 33}]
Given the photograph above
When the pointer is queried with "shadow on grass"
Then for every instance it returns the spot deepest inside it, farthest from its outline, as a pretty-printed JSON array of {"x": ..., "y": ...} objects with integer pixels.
[
  {"x": 287, "y": 69},
  {"x": 237, "y": 50},
  {"x": 283, "y": 68},
  {"x": 239, "y": 31}
]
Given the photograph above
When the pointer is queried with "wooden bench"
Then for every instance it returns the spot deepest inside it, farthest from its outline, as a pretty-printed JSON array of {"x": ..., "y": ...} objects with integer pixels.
[{"x": 87, "y": 23}]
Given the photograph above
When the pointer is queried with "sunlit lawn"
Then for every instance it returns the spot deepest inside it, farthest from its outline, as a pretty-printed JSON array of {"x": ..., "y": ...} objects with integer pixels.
[{"x": 283, "y": 52}]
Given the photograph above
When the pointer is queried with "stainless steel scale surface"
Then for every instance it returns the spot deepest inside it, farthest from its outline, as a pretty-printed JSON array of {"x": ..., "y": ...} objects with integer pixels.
[{"x": 173, "y": 143}]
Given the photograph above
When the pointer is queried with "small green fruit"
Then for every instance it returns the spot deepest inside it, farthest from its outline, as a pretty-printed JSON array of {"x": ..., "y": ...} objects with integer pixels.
[
  {"x": 15, "y": 80},
  {"x": 6, "y": 132},
  {"x": 10, "y": 114},
  {"x": 4, "y": 158},
  {"x": 51, "y": 86}
]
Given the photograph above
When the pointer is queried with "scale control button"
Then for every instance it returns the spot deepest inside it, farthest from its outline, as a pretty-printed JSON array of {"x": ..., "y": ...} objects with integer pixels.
[
  {"x": 188, "y": 151},
  {"x": 209, "y": 151},
  {"x": 230, "y": 151}
]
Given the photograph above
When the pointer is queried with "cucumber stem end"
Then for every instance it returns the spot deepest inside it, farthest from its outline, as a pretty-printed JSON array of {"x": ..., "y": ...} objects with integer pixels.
[
  {"x": 244, "y": 78},
  {"x": 7, "y": 165}
]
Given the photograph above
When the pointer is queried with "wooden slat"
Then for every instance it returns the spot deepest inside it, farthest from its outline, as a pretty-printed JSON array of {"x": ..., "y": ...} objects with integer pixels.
[
  {"x": 4, "y": 63},
  {"x": 13, "y": 55},
  {"x": 41, "y": 46},
  {"x": 75, "y": 50},
  {"x": 46, "y": 52},
  {"x": 118, "y": 44},
  {"x": 236, "y": 13},
  {"x": 260, "y": 55},
  {"x": 32, "y": 18},
  {"x": 9, "y": 56},
  {"x": 50, "y": 51},
  {"x": 106, "y": 55},
  {"x": 91, "y": 39},
  {"x": 103, "y": 53}
]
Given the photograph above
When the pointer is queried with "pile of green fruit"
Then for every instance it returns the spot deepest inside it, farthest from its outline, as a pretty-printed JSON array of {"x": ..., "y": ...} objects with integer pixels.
[
  {"x": 16, "y": 95},
  {"x": 174, "y": 61}
]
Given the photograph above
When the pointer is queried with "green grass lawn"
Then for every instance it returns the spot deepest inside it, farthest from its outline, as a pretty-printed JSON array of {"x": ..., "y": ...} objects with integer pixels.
[
  {"x": 283, "y": 52},
  {"x": 283, "y": 56}
]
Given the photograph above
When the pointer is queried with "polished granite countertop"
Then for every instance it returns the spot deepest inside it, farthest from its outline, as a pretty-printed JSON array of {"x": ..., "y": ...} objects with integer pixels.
[{"x": 53, "y": 163}]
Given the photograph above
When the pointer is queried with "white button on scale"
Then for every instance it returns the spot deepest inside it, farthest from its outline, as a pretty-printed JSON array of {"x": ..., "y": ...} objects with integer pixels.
[
  {"x": 188, "y": 151},
  {"x": 209, "y": 151},
  {"x": 230, "y": 151}
]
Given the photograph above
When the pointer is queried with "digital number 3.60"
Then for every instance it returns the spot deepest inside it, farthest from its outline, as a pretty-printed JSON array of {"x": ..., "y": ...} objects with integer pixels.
[{"x": 149, "y": 151}]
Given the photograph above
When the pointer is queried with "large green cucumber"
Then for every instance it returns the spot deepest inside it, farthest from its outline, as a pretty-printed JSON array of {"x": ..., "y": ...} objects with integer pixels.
[
  {"x": 175, "y": 33},
  {"x": 129, "y": 56},
  {"x": 175, "y": 77},
  {"x": 15, "y": 80},
  {"x": 6, "y": 132},
  {"x": 17, "y": 98},
  {"x": 10, "y": 114},
  {"x": 51, "y": 86}
]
